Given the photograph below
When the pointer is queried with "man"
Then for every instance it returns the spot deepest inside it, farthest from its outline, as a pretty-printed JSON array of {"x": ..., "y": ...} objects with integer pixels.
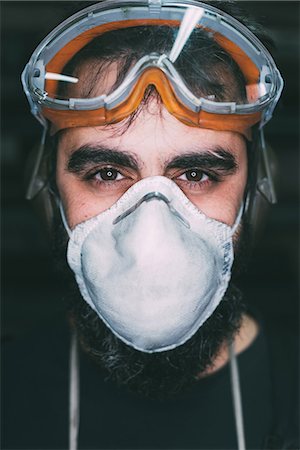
[{"x": 150, "y": 162}]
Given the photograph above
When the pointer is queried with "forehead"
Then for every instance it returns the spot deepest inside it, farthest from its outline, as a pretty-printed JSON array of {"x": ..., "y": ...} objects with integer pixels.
[{"x": 153, "y": 134}]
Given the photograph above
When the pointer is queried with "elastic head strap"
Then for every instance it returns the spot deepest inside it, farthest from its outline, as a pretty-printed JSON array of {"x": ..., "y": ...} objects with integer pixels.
[
  {"x": 236, "y": 398},
  {"x": 74, "y": 393}
]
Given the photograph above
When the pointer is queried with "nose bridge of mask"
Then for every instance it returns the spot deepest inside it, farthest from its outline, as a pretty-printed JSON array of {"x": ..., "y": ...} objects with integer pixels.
[{"x": 150, "y": 197}]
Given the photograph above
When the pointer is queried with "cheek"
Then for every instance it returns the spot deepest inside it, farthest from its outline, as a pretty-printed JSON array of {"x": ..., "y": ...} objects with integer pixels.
[
  {"x": 79, "y": 202},
  {"x": 221, "y": 208},
  {"x": 73, "y": 198},
  {"x": 78, "y": 205},
  {"x": 224, "y": 201},
  {"x": 76, "y": 210},
  {"x": 223, "y": 204}
]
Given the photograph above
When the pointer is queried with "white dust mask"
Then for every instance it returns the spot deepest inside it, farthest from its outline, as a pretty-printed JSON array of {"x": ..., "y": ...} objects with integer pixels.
[{"x": 153, "y": 266}]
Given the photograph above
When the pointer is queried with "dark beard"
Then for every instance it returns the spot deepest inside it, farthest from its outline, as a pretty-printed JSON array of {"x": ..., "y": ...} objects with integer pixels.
[{"x": 156, "y": 375}]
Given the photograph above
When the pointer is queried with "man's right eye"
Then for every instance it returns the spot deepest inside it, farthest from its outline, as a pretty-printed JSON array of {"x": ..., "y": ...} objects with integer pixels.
[{"x": 108, "y": 174}]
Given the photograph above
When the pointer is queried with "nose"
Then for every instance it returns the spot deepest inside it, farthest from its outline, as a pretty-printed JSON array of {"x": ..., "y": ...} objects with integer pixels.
[{"x": 148, "y": 197}]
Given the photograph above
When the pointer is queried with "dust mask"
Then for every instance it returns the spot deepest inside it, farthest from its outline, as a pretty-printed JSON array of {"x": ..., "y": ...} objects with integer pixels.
[{"x": 153, "y": 266}]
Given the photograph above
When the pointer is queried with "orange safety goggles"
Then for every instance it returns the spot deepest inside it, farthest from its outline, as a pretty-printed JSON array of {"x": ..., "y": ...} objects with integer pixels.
[{"x": 209, "y": 70}]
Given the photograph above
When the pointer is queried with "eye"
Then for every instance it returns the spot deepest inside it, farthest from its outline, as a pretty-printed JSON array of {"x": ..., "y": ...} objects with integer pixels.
[
  {"x": 108, "y": 174},
  {"x": 194, "y": 175}
]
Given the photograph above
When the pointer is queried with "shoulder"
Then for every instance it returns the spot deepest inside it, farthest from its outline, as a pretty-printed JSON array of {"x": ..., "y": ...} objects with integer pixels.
[{"x": 283, "y": 350}]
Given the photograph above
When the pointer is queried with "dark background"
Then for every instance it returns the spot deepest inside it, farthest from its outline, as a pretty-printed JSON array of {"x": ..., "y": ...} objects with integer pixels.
[{"x": 30, "y": 291}]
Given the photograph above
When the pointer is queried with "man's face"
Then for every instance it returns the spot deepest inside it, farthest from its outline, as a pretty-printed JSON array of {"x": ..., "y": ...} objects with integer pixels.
[{"x": 97, "y": 165}]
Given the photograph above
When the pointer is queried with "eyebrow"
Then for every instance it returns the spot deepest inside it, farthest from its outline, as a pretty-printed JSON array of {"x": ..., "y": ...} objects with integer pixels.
[
  {"x": 215, "y": 159},
  {"x": 88, "y": 155}
]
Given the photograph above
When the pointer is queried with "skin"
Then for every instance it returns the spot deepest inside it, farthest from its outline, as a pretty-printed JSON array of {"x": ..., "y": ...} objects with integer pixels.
[{"x": 155, "y": 141}]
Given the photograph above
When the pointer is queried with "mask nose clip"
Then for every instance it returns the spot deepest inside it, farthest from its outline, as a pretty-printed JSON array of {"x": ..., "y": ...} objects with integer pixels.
[{"x": 147, "y": 198}]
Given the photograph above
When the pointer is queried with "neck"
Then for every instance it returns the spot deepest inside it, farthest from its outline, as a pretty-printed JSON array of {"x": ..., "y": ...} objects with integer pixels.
[{"x": 243, "y": 339}]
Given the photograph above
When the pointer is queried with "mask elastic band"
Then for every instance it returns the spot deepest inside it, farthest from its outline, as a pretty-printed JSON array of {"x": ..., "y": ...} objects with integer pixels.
[
  {"x": 238, "y": 218},
  {"x": 63, "y": 218},
  {"x": 74, "y": 411},
  {"x": 36, "y": 183},
  {"x": 237, "y": 398},
  {"x": 148, "y": 197}
]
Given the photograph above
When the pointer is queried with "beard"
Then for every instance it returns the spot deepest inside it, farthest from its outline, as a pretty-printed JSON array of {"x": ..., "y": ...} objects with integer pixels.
[{"x": 155, "y": 375}]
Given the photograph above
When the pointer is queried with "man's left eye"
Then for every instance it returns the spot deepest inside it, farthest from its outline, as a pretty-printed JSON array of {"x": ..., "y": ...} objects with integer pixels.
[
  {"x": 195, "y": 175},
  {"x": 108, "y": 174}
]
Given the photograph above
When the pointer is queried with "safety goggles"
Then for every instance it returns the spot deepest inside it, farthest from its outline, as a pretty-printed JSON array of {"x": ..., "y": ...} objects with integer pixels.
[{"x": 95, "y": 68}]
